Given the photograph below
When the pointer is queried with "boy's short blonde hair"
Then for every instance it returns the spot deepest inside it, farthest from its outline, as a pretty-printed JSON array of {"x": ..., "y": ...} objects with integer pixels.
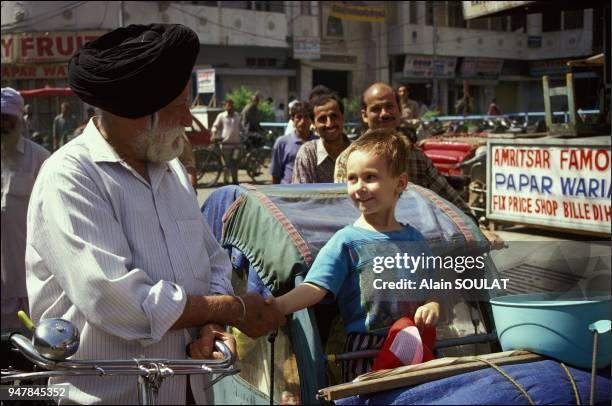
[{"x": 386, "y": 143}]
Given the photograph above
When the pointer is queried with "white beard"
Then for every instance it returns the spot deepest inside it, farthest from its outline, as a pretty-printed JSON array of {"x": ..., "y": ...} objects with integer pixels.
[{"x": 160, "y": 144}]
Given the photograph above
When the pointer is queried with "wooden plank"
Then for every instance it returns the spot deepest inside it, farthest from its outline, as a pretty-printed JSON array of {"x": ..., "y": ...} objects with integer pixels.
[
  {"x": 547, "y": 107},
  {"x": 416, "y": 377},
  {"x": 571, "y": 100},
  {"x": 557, "y": 91}
]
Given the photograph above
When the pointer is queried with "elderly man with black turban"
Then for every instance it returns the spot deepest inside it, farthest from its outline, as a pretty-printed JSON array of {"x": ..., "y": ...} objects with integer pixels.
[{"x": 116, "y": 242}]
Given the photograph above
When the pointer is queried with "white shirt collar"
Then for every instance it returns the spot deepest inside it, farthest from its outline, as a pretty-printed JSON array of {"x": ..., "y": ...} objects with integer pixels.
[
  {"x": 321, "y": 152},
  {"x": 99, "y": 148}
]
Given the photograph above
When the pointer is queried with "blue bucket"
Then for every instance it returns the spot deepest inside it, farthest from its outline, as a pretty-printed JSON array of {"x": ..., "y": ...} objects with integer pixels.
[{"x": 555, "y": 325}]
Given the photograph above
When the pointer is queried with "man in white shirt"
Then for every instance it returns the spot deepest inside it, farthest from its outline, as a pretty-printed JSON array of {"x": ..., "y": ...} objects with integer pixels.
[
  {"x": 21, "y": 161},
  {"x": 226, "y": 128},
  {"x": 116, "y": 242}
]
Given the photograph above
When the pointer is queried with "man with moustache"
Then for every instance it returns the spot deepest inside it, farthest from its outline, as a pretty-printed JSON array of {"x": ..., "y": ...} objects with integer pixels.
[
  {"x": 315, "y": 160},
  {"x": 116, "y": 241},
  {"x": 21, "y": 161},
  {"x": 380, "y": 109}
]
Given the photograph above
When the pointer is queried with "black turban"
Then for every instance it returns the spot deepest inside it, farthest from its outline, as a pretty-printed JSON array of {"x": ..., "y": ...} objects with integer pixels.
[{"x": 134, "y": 71}]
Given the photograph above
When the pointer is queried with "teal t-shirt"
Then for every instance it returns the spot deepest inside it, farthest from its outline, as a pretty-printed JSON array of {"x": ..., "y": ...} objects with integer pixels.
[{"x": 346, "y": 266}]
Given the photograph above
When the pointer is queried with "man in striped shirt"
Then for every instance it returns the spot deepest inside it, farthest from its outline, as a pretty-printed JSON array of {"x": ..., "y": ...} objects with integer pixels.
[
  {"x": 116, "y": 243},
  {"x": 380, "y": 109},
  {"x": 315, "y": 160}
]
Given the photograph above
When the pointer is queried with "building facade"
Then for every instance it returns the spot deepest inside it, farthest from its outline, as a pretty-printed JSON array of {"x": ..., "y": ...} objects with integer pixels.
[
  {"x": 503, "y": 57},
  {"x": 283, "y": 48}
]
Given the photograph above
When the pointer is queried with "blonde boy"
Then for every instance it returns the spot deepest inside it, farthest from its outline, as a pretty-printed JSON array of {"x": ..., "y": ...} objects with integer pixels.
[{"x": 376, "y": 177}]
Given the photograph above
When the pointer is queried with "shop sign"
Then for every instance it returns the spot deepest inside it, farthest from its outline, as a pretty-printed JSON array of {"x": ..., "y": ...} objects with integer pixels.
[
  {"x": 473, "y": 9},
  {"x": 44, "y": 46},
  {"x": 371, "y": 14},
  {"x": 550, "y": 67},
  {"x": 557, "y": 186},
  {"x": 40, "y": 71},
  {"x": 423, "y": 66},
  {"x": 482, "y": 68},
  {"x": 206, "y": 80},
  {"x": 307, "y": 48}
]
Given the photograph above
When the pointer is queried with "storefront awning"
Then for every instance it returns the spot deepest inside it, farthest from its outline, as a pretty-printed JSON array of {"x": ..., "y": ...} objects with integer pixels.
[{"x": 48, "y": 92}]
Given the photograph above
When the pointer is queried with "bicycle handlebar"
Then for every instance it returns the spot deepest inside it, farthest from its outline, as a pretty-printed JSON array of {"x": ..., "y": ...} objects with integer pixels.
[{"x": 136, "y": 366}]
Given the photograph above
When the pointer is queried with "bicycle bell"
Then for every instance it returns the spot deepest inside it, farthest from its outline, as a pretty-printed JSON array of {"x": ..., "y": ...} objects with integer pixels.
[{"x": 55, "y": 339}]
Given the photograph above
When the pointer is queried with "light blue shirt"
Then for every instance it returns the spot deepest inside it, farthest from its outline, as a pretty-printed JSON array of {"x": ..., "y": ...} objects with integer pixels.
[{"x": 344, "y": 268}]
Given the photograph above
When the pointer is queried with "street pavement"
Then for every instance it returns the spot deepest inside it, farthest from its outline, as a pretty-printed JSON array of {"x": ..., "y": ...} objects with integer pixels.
[{"x": 203, "y": 193}]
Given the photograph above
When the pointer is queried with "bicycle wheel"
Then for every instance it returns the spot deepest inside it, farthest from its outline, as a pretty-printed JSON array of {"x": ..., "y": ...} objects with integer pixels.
[
  {"x": 256, "y": 162},
  {"x": 209, "y": 167}
]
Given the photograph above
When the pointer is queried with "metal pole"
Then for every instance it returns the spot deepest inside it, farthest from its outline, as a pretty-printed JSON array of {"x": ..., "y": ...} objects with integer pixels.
[
  {"x": 121, "y": 14},
  {"x": 434, "y": 97},
  {"x": 144, "y": 391},
  {"x": 593, "y": 369}
]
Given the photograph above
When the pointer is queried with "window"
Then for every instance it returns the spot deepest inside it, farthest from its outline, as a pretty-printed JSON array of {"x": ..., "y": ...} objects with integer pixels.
[
  {"x": 518, "y": 23},
  {"x": 499, "y": 23},
  {"x": 205, "y": 3},
  {"x": 305, "y": 8},
  {"x": 412, "y": 10},
  {"x": 573, "y": 20},
  {"x": 398, "y": 63},
  {"x": 440, "y": 10},
  {"x": 479, "y": 24},
  {"x": 334, "y": 27},
  {"x": 455, "y": 15},
  {"x": 274, "y": 6},
  {"x": 243, "y": 5},
  {"x": 551, "y": 21}
]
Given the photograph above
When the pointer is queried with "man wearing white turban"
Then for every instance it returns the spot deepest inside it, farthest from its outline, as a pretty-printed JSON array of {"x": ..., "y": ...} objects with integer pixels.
[{"x": 21, "y": 160}]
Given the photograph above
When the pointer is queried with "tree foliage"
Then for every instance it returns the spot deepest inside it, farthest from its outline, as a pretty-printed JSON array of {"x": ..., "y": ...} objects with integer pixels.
[{"x": 242, "y": 96}]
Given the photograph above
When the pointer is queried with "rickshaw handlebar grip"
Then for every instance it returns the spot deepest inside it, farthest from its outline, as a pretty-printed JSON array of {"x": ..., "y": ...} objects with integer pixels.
[
  {"x": 27, "y": 349},
  {"x": 225, "y": 351}
]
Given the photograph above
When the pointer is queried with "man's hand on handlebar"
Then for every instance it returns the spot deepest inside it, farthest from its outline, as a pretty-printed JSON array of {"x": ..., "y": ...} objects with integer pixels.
[{"x": 203, "y": 347}]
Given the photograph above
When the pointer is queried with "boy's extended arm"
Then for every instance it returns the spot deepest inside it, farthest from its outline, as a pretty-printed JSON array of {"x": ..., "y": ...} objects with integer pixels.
[{"x": 302, "y": 296}]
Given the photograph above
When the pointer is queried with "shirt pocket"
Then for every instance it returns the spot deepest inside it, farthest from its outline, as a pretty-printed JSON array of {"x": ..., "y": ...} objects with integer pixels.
[{"x": 192, "y": 239}]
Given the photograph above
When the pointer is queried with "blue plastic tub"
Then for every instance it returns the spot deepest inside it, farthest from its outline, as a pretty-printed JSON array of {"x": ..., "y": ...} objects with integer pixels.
[{"x": 554, "y": 324}]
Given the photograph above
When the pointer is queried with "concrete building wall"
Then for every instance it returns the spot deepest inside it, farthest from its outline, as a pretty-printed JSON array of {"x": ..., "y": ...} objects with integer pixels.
[{"x": 214, "y": 25}]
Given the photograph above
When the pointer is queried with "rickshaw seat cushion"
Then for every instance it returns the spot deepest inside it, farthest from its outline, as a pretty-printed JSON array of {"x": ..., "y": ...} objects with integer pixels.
[{"x": 281, "y": 228}]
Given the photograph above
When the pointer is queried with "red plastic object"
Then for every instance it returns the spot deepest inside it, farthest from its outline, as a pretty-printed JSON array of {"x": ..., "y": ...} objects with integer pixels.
[
  {"x": 451, "y": 146},
  {"x": 445, "y": 156}
]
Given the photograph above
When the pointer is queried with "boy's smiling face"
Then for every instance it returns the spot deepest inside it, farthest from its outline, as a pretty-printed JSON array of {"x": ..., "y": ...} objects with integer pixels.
[{"x": 371, "y": 186}]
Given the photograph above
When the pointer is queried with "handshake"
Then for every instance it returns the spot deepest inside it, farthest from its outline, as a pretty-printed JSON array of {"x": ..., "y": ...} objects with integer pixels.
[{"x": 260, "y": 316}]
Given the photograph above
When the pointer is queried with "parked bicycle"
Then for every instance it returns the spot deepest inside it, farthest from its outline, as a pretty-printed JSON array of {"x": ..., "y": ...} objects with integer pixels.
[{"x": 253, "y": 156}]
